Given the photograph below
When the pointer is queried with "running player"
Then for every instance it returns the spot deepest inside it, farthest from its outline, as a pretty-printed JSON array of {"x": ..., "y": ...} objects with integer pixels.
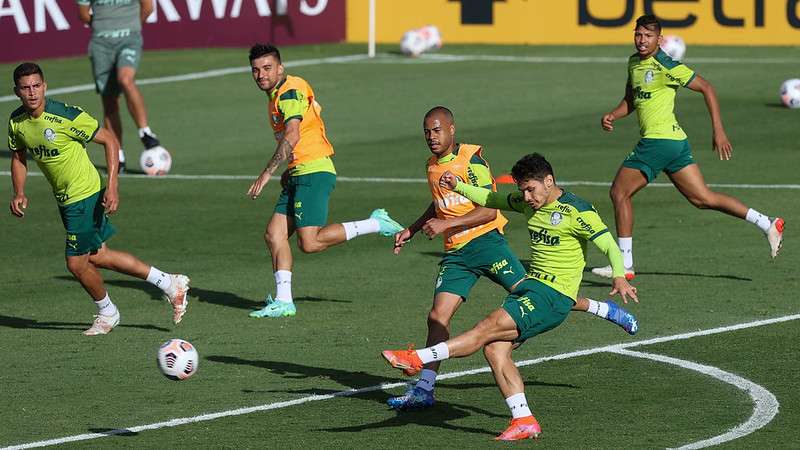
[
  {"x": 653, "y": 80},
  {"x": 294, "y": 114},
  {"x": 55, "y": 135},
  {"x": 560, "y": 224},
  {"x": 115, "y": 50}
]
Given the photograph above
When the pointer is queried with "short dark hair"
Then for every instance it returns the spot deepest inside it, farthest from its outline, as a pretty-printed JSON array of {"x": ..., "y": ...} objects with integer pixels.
[
  {"x": 440, "y": 110},
  {"x": 25, "y": 69},
  {"x": 259, "y": 50},
  {"x": 531, "y": 167},
  {"x": 650, "y": 22}
]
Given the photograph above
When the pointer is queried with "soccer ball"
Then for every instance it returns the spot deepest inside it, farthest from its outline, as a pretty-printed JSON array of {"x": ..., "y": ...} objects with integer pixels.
[
  {"x": 177, "y": 359},
  {"x": 418, "y": 41},
  {"x": 155, "y": 161},
  {"x": 790, "y": 93},
  {"x": 674, "y": 47}
]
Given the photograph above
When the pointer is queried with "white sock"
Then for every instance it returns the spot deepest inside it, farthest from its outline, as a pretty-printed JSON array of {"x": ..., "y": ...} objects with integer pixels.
[
  {"x": 146, "y": 130},
  {"x": 159, "y": 279},
  {"x": 121, "y": 155},
  {"x": 758, "y": 219},
  {"x": 427, "y": 379},
  {"x": 599, "y": 309},
  {"x": 105, "y": 307},
  {"x": 283, "y": 286},
  {"x": 626, "y": 246},
  {"x": 361, "y": 227},
  {"x": 438, "y": 352},
  {"x": 518, "y": 405}
]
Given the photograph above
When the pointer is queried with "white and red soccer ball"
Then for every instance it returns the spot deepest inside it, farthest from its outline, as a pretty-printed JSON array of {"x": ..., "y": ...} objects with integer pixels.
[
  {"x": 420, "y": 40},
  {"x": 177, "y": 359},
  {"x": 674, "y": 47},
  {"x": 790, "y": 93},
  {"x": 155, "y": 161}
]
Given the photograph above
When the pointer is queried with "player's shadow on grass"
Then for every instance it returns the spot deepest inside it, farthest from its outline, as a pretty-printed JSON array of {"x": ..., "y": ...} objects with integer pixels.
[
  {"x": 675, "y": 274},
  {"x": 113, "y": 431},
  {"x": 22, "y": 323}
]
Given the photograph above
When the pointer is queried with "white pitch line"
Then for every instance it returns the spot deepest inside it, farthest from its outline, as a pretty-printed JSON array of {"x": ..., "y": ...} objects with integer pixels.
[
  {"x": 415, "y": 180},
  {"x": 765, "y": 407},
  {"x": 350, "y": 392}
]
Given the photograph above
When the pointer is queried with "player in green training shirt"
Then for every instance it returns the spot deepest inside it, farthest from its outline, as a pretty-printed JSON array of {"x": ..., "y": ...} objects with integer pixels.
[
  {"x": 653, "y": 81},
  {"x": 560, "y": 225},
  {"x": 55, "y": 135}
]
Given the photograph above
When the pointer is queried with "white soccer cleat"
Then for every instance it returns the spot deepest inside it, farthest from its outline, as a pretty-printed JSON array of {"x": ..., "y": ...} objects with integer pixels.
[
  {"x": 607, "y": 272},
  {"x": 775, "y": 236},
  {"x": 178, "y": 296},
  {"x": 102, "y": 324}
]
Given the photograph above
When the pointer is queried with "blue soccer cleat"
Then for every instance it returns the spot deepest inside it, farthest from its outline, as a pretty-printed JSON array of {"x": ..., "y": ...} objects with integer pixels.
[
  {"x": 622, "y": 317},
  {"x": 414, "y": 398},
  {"x": 275, "y": 308},
  {"x": 389, "y": 227}
]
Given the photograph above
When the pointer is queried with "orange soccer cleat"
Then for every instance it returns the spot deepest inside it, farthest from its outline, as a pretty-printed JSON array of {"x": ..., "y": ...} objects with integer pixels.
[
  {"x": 407, "y": 360},
  {"x": 521, "y": 428}
]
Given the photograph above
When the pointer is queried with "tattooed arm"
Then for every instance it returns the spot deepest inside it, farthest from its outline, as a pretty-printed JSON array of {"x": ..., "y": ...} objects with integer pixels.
[{"x": 282, "y": 153}]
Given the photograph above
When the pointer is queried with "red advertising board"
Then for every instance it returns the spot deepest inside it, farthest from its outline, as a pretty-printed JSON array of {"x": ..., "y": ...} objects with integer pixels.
[{"x": 33, "y": 29}]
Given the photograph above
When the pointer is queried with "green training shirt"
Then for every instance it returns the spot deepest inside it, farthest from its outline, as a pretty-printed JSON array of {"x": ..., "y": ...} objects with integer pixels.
[
  {"x": 114, "y": 18},
  {"x": 57, "y": 141},
  {"x": 654, "y": 82}
]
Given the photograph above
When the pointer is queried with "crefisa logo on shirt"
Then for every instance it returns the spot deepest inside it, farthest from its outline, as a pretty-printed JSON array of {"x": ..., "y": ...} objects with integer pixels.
[
  {"x": 49, "y": 134},
  {"x": 648, "y": 77},
  {"x": 555, "y": 218}
]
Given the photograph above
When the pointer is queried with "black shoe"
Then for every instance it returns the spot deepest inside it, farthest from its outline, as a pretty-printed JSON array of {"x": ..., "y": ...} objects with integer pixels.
[
  {"x": 149, "y": 141},
  {"x": 121, "y": 167}
]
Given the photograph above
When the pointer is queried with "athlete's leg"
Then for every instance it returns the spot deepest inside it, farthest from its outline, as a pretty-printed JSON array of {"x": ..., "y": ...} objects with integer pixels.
[
  {"x": 121, "y": 262},
  {"x": 111, "y": 119},
  {"x": 692, "y": 185},
  {"x": 506, "y": 374},
  {"x": 87, "y": 274},
  {"x": 313, "y": 239},
  {"x": 126, "y": 77},
  {"x": 277, "y": 234},
  {"x": 445, "y": 305},
  {"x": 627, "y": 182},
  {"x": 497, "y": 326}
]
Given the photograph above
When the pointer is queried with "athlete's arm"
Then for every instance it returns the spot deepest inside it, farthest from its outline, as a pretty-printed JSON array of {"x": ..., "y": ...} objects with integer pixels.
[
  {"x": 624, "y": 108},
  {"x": 19, "y": 172},
  {"x": 109, "y": 141},
  {"x": 401, "y": 238},
  {"x": 145, "y": 9},
  {"x": 479, "y": 195},
  {"x": 84, "y": 13},
  {"x": 721, "y": 143},
  {"x": 478, "y": 216},
  {"x": 290, "y": 139},
  {"x": 621, "y": 286}
]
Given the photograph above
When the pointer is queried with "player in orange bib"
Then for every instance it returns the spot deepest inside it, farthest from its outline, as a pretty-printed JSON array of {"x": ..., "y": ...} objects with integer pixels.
[{"x": 295, "y": 117}]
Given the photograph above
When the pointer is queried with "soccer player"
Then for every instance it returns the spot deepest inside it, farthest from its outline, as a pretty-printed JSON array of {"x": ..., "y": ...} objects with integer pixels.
[
  {"x": 55, "y": 135},
  {"x": 653, "y": 80},
  {"x": 473, "y": 242},
  {"x": 560, "y": 224},
  {"x": 115, "y": 50},
  {"x": 294, "y": 114}
]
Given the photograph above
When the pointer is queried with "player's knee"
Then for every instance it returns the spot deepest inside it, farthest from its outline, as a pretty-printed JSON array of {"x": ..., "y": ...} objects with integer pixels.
[
  {"x": 125, "y": 81},
  {"x": 274, "y": 239},
  {"x": 490, "y": 352},
  {"x": 701, "y": 201},
  {"x": 77, "y": 266},
  {"x": 437, "y": 318},
  {"x": 310, "y": 245},
  {"x": 618, "y": 194}
]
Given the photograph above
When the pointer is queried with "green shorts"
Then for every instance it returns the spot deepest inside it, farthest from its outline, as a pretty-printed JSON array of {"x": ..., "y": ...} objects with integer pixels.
[
  {"x": 305, "y": 199},
  {"x": 87, "y": 225},
  {"x": 651, "y": 156},
  {"x": 536, "y": 308},
  {"x": 487, "y": 255},
  {"x": 109, "y": 54}
]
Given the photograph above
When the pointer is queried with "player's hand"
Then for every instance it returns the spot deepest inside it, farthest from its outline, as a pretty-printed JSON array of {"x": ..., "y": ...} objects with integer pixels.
[
  {"x": 400, "y": 240},
  {"x": 18, "y": 205},
  {"x": 722, "y": 146},
  {"x": 258, "y": 185},
  {"x": 448, "y": 181},
  {"x": 285, "y": 178},
  {"x": 110, "y": 201},
  {"x": 624, "y": 289},
  {"x": 607, "y": 122},
  {"x": 434, "y": 227}
]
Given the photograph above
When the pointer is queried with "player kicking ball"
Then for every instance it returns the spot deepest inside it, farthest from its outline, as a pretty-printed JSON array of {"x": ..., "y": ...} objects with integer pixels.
[
  {"x": 560, "y": 224},
  {"x": 55, "y": 135},
  {"x": 653, "y": 81}
]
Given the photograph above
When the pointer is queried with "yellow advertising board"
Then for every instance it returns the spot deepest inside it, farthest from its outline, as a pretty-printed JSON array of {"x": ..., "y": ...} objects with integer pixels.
[{"x": 733, "y": 22}]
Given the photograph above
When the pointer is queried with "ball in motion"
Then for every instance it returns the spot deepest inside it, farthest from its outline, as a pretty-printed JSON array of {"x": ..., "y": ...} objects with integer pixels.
[
  {"x": 674, "y": 47},
  {"x": 790, "y": 93},
  {"x": 177, "y": 359},
  {"x": 155, "y": 161}
]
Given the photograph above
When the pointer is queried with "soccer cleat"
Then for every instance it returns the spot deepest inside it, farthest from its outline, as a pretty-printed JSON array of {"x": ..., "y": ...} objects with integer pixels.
[
  {"x": 775, "y": 236},
  {"x": 607, "y": 272},
  {"x": 414, "y": 398},
  {"x": 275, "y": 308},
  {"x": 622, "y": 317},
  {"x": 102, "y": 324},
  {"x": 121, "y": 167},
  {"x": 149, "y": 141},
  {"x": 178, "y": 296},
  {"x": 521, "y": 428},
  {"x": 389, "y": 227},
  {"x": 407, "y": 360}
]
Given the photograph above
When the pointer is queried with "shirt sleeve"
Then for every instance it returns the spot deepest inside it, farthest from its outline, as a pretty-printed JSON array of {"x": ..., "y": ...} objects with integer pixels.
[
  {"x": 588, "y": 225},
  {"x": 13, "y": 145},
  {"x": 485, "y": 197},
  {"x": 478, "y": 172},
  {"x": 292, "y": 104},
  {"x": 606, "y": 244},
  {"x": 82, "y": 128},
  {"x": 680, "y": 75}
]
